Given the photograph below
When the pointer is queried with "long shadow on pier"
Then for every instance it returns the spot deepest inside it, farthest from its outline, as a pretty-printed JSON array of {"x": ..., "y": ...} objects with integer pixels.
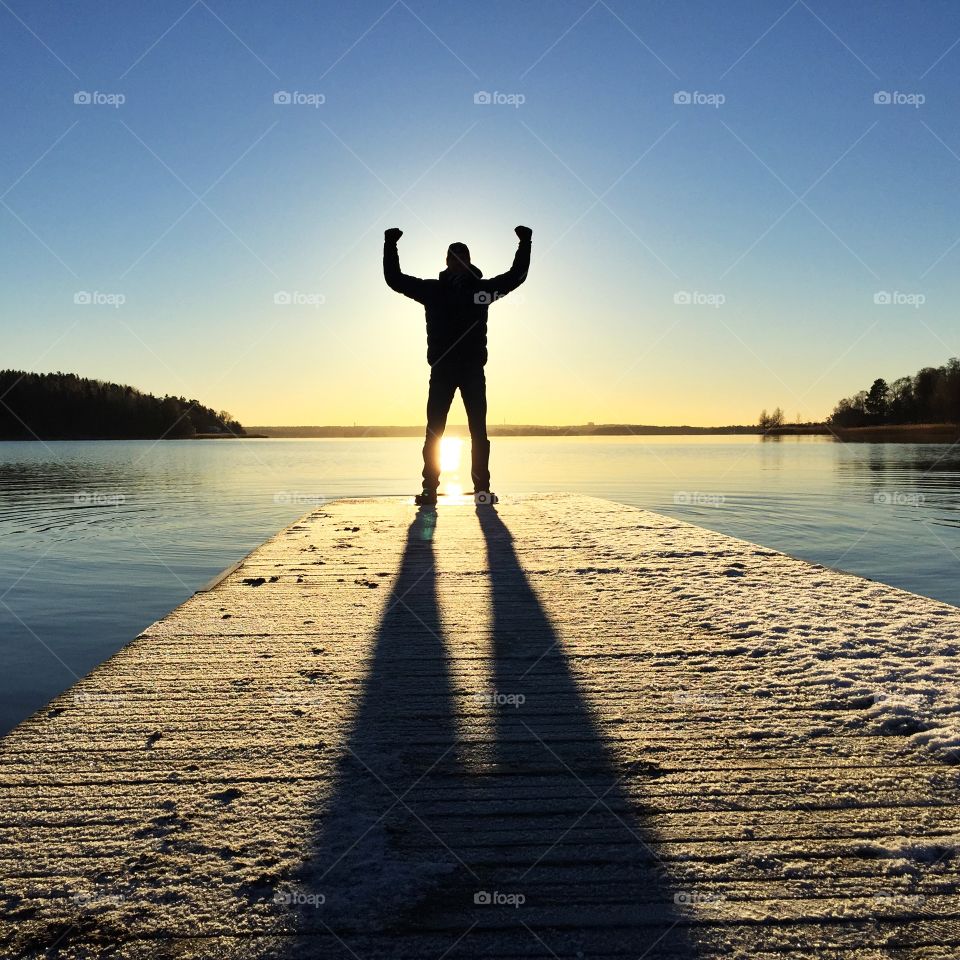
[{"x": 437, "y": 842}]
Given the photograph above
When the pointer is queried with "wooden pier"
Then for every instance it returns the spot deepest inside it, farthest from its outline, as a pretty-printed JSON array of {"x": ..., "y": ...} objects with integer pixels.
[{"x": 561, "y": 728}]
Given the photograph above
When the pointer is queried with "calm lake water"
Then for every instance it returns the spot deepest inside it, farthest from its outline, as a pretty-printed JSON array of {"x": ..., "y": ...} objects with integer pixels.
[{"x": 99, "y": 539}]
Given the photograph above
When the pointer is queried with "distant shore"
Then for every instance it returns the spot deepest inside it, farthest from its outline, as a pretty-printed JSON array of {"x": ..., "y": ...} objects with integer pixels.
[
  {"x": 227, "y": 436},
  {"x": 502, "y": 430},
  {"x": 885, "y": 433},
  {"x": 888, "y": 433},
  {"x": 881, "y": 433},
  {"x": 901, "y": 433}
]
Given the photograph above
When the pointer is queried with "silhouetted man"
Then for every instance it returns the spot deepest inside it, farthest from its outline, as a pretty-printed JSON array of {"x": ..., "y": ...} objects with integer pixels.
[{"x": 456, "y": 307}]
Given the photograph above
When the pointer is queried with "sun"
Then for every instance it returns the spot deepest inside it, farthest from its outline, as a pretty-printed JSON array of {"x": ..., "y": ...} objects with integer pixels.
[
  {"x": 451, "y": 456},
  {"x": 451, "y": 451}
]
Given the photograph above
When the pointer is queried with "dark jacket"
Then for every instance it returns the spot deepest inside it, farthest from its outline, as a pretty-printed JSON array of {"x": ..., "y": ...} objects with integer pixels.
[{"x": 456, "y": 304}]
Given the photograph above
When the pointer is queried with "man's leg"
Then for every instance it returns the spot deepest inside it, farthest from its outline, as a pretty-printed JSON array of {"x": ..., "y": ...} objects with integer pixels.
[
  {"x": 439, "y": 397},
  {"x": 473, "y": 389}
]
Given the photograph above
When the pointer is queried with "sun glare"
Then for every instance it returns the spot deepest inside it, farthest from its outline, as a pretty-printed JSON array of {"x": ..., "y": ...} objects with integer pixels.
[
  {"x": 451, "y": 456},
  {"x": 451, "y": 449}
]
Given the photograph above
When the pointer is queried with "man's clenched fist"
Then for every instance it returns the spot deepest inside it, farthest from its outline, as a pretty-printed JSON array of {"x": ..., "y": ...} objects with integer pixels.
[
  {"x": 392, "y": 235},
  {"x": 524, "y": 233}
]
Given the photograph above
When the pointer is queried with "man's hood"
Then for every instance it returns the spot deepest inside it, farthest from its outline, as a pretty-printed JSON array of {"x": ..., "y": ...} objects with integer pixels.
[{"x": 448, "y": 276}]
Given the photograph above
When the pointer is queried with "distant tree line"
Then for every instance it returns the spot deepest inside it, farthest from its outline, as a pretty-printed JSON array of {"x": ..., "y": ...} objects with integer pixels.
[
  {"x": 63, "y": 406},
  {"x": 770, "y": 421},
  {"x": 932, "y": 395},
  {"x": 503, "y": 430}
]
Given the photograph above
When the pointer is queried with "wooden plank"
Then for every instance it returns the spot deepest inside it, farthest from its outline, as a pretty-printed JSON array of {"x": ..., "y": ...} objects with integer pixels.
[{"x": 564, "y": 728}]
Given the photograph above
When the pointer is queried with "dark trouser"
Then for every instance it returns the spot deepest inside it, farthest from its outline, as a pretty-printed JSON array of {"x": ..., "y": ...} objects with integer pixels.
[{"x": 444, "y": 382}]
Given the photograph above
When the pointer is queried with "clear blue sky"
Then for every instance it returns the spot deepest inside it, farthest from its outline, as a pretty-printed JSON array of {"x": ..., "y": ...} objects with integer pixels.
[{"x": 199, "y": 199}]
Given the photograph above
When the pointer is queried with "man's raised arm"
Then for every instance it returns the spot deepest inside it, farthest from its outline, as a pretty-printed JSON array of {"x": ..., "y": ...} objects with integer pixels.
[
  {"x": 502, "y": 285},
  {"x": 412, "y": 287}
]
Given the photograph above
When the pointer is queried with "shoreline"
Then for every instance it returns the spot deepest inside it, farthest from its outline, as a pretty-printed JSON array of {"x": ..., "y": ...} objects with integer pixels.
[
  {"x": 882, "y": 433},
  {"x": 909, "y": 433},
  {"x": 900, "y": 433}
]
